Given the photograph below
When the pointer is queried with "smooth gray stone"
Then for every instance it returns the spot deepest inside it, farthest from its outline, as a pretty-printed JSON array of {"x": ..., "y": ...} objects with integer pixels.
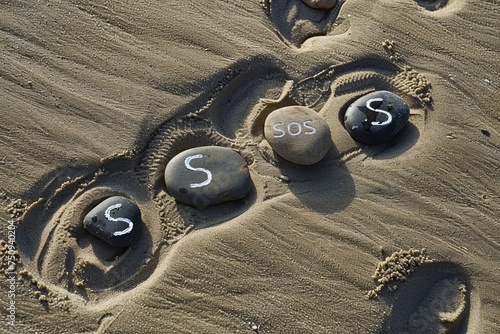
[
  {"x": 116, "y": 220},
  {"x": 298, "y": 134},
  {"x": 207, "y": 175},
  {"x": 376, "y": 117}
]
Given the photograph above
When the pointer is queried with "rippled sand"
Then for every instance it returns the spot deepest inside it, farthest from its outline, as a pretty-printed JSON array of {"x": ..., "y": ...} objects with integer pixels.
[{"x": 98, "y": 96}]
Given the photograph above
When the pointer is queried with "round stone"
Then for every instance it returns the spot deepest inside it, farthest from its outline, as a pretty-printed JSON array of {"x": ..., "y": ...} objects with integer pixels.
[
  {"x": 376, "y": 117},
  {"x": 116, "y": 220},
  {"x": 320, "y": 4},
  {"x": 298, "y": 134},
  {"x": 207, "y": 175}
]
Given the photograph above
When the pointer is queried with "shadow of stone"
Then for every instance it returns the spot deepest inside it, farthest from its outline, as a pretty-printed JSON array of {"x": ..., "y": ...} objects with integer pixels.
[
  {"x": 326, "y": 186},
  {"x": 206, "y": 216},
  {"x": 116, "y": 265},
  {"x": 402, "y": 142}
]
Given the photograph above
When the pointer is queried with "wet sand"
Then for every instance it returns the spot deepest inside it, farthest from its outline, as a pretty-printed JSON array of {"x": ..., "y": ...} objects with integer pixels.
[{"x": 97, "y": 97}]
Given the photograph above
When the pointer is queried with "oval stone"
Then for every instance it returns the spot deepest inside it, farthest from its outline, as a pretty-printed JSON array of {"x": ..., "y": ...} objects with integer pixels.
[
  {"x": 116, "y": 220},
  {"x": 298, "y": 134},
  {"x": 376, "y": 117},
  {"x": 207, "y": 175},
  {"x": 320, "y": 4}
]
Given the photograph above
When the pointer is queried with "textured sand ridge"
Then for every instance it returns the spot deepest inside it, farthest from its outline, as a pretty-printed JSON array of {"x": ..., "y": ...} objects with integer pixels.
[{"x": 98, "y": 96}]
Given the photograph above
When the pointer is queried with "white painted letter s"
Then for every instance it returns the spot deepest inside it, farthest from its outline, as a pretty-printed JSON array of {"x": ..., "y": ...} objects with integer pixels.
[
  {"x": 386, "y": 113},
  {"x": 310, "y": 127},
  {"x": 119, "y": 219},
  {"x": 275, "y": 127},
  {"x": 206, "y": 171}
]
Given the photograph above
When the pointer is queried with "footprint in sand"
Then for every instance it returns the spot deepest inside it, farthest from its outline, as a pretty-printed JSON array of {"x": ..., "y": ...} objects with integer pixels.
[
  {"x": 333, "y": 89},
  {"x": 425, "y": 296},
  {"x": 296, "y": 21}
]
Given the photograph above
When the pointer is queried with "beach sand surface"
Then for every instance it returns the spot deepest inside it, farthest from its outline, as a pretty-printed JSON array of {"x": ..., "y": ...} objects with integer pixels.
[{"x": 97, "y": 96}]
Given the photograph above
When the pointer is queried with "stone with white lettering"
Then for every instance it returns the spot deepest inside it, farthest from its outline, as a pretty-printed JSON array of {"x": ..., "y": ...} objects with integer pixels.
[
  {"x": 207, "y": 175},
  {"x": 298, "y": 134},
  {"x": 116, "y": 220},
  {"x": 376, "y": 117}
]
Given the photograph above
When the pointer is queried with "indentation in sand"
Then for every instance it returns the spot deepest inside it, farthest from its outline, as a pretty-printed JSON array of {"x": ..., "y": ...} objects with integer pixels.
[
  {"x": 426, "y": 296},
  {"x": 296, "y": 22},
  {"x": 59, "y": 252},
  {"x": 441, "y": 7},
  {"x": 332, "y": 89}
]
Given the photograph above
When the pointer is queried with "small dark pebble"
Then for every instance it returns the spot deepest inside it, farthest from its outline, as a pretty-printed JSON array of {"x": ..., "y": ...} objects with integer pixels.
[{"x": 486, "y": 133}]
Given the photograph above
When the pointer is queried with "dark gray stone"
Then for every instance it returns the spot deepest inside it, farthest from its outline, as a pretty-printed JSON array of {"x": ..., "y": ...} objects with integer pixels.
[
  {"x": 376, "y": 117},
  {"x": 116, "y": 220},
  {"x": 320, "y": 4},
  {"x": 207, "y": 175},
  {"x": 298, "y": 134}
]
